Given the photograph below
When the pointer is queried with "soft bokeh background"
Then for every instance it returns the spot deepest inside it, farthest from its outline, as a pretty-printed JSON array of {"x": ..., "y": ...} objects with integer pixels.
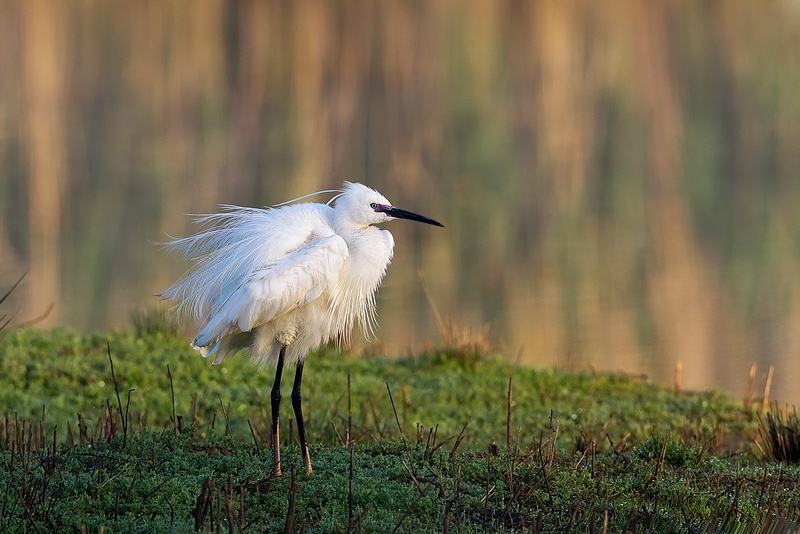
[{"x": 619, "y": 180}]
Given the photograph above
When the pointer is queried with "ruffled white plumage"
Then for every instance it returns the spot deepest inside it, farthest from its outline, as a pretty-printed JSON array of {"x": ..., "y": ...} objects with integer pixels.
[{"x": 298, "y": 275}]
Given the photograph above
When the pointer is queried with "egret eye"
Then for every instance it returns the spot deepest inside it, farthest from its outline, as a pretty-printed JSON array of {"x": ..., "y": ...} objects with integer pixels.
[{"x": 373, "y": 205}]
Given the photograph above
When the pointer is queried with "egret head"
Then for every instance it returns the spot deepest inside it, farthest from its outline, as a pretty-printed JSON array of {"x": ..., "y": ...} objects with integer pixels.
[{"x": 363, "y": 206}]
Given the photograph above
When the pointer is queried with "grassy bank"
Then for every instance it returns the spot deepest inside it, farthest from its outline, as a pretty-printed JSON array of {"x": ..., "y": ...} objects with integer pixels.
[{"x": 439, "y": 442}]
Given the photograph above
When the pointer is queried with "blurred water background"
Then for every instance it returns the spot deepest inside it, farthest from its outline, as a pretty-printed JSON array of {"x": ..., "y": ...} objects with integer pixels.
[{"x": 619, "y": 180}]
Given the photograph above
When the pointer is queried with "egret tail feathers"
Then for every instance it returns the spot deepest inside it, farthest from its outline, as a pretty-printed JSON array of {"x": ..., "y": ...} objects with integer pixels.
[
  {"x": 220, "y": 349},
  {"x": 206, "y": 351}
]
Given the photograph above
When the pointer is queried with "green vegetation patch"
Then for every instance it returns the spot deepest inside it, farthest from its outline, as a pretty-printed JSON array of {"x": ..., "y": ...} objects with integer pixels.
[
  {"x": 166, "y": 482},
  {"x": 62, "y": 373},
  {"x": 423, "y": 444}
]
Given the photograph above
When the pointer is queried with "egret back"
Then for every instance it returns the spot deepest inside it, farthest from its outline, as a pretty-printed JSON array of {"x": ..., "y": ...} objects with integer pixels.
[{"x": 234, "y": 244}]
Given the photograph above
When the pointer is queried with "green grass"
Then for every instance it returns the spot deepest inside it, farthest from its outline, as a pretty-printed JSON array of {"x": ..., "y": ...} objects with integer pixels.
[{"x": 584, "y": 448}]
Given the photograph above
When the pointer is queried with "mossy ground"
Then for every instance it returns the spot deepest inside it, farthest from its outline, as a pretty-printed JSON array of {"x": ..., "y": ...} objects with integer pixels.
[{"x": 431, "y": 446}]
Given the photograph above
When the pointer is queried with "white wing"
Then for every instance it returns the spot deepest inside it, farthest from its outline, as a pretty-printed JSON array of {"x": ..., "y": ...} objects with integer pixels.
[
  {"x": 279, "y": 287},
  {"x": 235, "y": 244}
]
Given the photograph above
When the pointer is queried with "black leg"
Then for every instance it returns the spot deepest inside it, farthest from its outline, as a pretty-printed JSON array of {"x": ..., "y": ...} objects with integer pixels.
[
  {"x": 298, "y": 413},
  {"x": 276, "y": 405}
]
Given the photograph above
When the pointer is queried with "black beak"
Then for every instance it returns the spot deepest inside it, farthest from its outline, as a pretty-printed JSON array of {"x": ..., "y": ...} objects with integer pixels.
[{"x": 397, "y": 213}]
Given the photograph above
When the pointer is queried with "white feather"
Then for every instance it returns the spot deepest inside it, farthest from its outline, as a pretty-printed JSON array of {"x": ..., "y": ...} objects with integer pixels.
[{"x": 298, "y": 275}]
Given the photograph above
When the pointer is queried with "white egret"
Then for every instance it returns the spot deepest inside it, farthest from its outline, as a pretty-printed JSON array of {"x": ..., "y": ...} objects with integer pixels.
[{"x": 285, "y": 280}]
